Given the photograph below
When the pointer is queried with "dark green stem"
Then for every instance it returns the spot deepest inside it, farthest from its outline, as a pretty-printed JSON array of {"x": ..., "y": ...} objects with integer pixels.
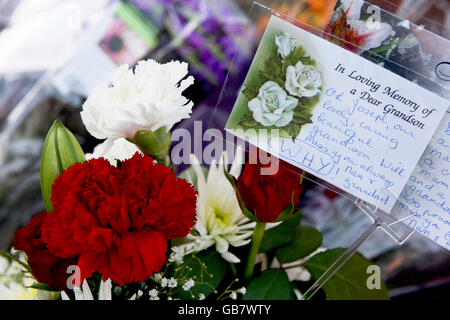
[{"x": 258, "y": 234}]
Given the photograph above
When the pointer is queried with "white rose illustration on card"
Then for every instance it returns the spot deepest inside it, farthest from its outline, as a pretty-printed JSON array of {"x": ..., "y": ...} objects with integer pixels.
[{"x": 284, "y": 92}]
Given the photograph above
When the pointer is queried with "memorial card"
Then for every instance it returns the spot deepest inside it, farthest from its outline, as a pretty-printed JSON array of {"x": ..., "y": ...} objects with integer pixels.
[
  {"x": 334, "y": 114},
  {"x": 426, "y": 197}
]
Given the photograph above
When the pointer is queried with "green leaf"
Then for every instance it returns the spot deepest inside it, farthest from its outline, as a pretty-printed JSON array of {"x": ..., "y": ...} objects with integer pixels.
[
  {"x": 274, "y": 68},
  {"x": 154, "y": 143},
  {"x": 43, "y": 286},
  {"x": 280, "y": 81},
  {"x": 230, "y": 178},
  {"x": 308, "y": 103},
  {"x": 293, "y": 129},
  {"x": 281, "y": 234},
  {"x": 61, "y": 150},
  {"x": 306, "y": 241},
  {"x": 306, "y": 60},
  {"x": 10, "y": 257},
  {"x": 288, "y": 212},
  {"x": 250, "y": 91},
  {"x": 247, "y": 121},
  {"x": 301, "y": 121},
  {"x": 272, "y": 284},
  {"x": 207, "y": 268},
  {"x": 349, "y": 282},
  {"x": 244, "y": 209},
  {"x": 264, "y": 76},
  {"x": 296, "y": 56}
]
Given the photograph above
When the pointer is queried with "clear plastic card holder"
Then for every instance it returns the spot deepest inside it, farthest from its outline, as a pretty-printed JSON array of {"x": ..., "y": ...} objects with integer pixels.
[{"x": 390, "y": 222}]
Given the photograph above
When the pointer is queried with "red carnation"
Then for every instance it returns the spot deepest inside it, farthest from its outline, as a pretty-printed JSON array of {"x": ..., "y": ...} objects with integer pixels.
[
  {"x": 45, "y": 266},
  {"x": 118, "y": 220},
  {"x": 268, "y": 195}
]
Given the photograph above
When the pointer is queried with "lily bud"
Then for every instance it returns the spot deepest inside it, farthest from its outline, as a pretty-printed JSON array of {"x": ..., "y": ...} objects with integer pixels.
[
  {"x": 154, "y": 143},
  {"x": 61, "y": 150}
]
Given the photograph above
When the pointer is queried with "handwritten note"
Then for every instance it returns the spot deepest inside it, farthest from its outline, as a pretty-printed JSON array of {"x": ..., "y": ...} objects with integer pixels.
[
  {"x": 369, "y": 128},
  {"x": 426, "y": 196}
]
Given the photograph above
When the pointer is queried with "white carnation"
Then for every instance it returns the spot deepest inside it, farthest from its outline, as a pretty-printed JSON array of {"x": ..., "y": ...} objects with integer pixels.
[
  {"x": 113, "y": 150},
  {"x": 147, "y": 99}
]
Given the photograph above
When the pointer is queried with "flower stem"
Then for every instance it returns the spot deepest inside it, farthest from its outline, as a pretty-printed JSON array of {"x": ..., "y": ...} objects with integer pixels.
[
  {"x": 164, "y": 160},
  {"x": 257, "y": 236}
]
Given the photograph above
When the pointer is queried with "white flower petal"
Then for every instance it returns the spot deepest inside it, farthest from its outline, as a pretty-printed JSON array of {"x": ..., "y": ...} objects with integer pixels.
[
  {"x": 228, "y": 256},
  {"x": 254, "y": 104},
  {"x": 113, "y": 150},
  {"x": 238, "y": 161},
  {"x": 64, "y": 296},
  {"x": 105, "y": 290},
  {"x": 376, "y": 32},
  {"x": 285, "y": 118},
  {"x": 303, "y": 80},
  {"x": 78, "y": 293},
  {"x": 87, "y": 291},
  {"x": 221, "y": 245},
  {"x": 219, "y": 217},
  {"x": 352, "y": 8}
]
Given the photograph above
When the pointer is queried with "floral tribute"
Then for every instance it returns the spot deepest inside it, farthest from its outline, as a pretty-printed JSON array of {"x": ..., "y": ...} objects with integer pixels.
[
  {"x": 119, "y": 224},
  {"x": 354, "y": 32}
]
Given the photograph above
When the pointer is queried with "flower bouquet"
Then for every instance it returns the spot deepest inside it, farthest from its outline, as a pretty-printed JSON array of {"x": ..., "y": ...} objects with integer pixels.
[{"x": 119, "y": 224}]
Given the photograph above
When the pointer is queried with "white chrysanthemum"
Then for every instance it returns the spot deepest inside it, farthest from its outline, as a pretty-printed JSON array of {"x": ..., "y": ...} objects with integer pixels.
[
  {"x": 84, "y": 293},
  {"x": 147, "y": 99},
  {"x": 220, "y": 220},
  {"x": 113, "y": 150}
]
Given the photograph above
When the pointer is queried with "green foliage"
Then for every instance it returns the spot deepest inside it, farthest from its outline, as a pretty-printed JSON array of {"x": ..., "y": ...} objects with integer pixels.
[
  {"x": 207, "y": 268},
  {"x": 281, "y": 234},
  {"x": 299, "y": 54},
  {"x": 250, "y": 91},
  {"x": 274, "y": 71},
  {"x": 306, "y": 241},
  {"x": 13, "y": 258},
  {"x": 61, "y": 150},
  {"x": 43, "y": 287},
  {"x": 293, "y": 129},
  {"x": 349, "y": 282},
  {"x": 154, "y": 143},
  {"x": 247, "y": 121},
  {"x": 232, "y": 180},
  {"x": 272, "y": 284}
]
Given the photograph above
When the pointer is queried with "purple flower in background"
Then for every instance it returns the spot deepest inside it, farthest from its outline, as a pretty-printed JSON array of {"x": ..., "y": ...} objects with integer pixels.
[
  {"x": 210, "y": 25},
  {"x": 209, "y": 48}
]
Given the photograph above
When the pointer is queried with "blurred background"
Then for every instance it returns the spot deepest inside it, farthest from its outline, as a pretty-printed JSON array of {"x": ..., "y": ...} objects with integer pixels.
[{"x": 54, "y": 52}]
